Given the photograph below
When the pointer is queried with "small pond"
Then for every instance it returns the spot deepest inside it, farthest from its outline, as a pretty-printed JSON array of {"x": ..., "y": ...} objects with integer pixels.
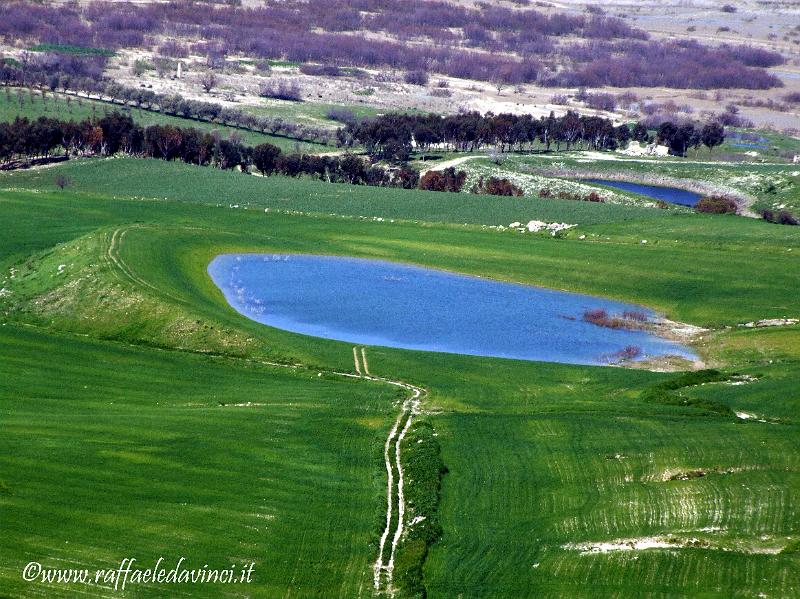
[
  {"x": 372, "y": 302},
  {"x": 673, "y": 195}
]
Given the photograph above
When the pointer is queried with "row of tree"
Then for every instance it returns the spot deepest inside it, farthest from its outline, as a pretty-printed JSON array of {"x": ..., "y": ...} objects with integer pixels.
[
  {"x": 395, "y": 136},
  {"x": 31, "y": 76},
  {"x": 118, "y": 133},
  {"x": 679, "y": 138}
]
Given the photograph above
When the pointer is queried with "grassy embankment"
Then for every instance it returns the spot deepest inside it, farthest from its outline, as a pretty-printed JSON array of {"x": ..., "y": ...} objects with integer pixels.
[{"x": 541, "y": 458}]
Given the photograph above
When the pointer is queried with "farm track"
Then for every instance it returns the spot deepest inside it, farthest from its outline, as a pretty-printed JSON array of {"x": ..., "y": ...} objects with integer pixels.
[
  {"x": 383, "y": 568},
  {"x": 453, "y": 162}
]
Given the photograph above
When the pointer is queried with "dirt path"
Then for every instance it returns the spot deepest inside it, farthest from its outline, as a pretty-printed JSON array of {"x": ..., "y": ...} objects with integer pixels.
[
  {"x": 448, "y": 163},
  {"x": 395, "y": 492}
]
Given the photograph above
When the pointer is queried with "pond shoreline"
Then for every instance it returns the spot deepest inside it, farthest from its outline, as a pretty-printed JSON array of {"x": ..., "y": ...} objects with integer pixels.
[
  {"x": 743, "y": 201},
  {"x": 411, "y": 307}
]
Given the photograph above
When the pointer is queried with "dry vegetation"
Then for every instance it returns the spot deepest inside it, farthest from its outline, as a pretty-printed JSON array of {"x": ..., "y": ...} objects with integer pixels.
[{"x": 495, "y": 81}]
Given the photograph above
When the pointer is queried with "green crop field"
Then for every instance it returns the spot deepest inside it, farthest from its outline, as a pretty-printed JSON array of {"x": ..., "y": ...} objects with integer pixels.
[
  {"x": 17, "y": 102},
  {"x": 142, "y": 416},
  {"x": 151, "y": 179},
  {"x": 312, "y": 113}
]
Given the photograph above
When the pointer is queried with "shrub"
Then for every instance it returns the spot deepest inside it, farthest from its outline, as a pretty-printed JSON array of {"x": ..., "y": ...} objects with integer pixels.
[
  {"x": 282, "y": 90},
  {"x": 592, "y": 196},
  {"x": 441, "y": 92},
  {"x": 784, "y": 217},
  {"x": 636, "y": 315},
  {"x": 601, "y": 102},
  {"x": 497, "y": 187},
  {"x": 341, "y": 115},
  {"x": 629, "y": 352},
  {"x": 208, "y": 80},
  {"x": 595, "y": 316},
  {"x": 173, "y": 49},
  {"x": 417, "y": 77},
  {"x": 322, "y": 70},
  {"x": 716, "y": 205},
  {"x": 446, "y": 180},
  {"x": 630, "y": 319}
]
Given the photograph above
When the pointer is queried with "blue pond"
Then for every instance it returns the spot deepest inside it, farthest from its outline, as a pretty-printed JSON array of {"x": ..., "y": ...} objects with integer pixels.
[
  {"x": 673, "y": 195},
  {"x": 371, "y": 302}
]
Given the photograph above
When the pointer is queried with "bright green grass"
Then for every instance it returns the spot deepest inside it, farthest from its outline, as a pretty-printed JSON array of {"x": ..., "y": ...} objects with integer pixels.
[
  {"x": 71, "y": 49},
  {"x": 777, "y": 145},
  {"x": 312, "y": 113},
  {"x": 110, "y": 451},
  {"x": 16, "y": 102},
  {"x": 129, "y": 177},
  {"x": 545, "y": 455},
  {"x": 539, "y": 455}
]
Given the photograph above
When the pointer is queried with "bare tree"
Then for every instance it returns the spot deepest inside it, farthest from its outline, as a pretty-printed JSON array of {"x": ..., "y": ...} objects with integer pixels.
[
  {"x": 499, "y": 84},
  {"x": 208, "y": 80}
]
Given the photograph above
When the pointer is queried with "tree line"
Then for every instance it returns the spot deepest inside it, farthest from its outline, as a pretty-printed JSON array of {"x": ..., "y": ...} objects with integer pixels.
[
  {"x": 39, "y": 76},
  {"x": 395, "y": 136},
  {"x": 117, "y": 133}
]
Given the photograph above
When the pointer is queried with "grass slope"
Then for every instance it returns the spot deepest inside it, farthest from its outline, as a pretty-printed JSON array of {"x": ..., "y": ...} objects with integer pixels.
[
  {"x": 154, "y": 179},
  {"x": 541, "y": 458},
  {"x": 110, "y": 451}
]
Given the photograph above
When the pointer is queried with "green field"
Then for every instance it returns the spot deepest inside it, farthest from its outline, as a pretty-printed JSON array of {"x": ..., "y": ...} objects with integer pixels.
[
  {"x": 126, "y": 378},
  {"x": 151, "y": 179},
  {"x": 16, "y": 102},
  {"x": 312, "y": 113}
]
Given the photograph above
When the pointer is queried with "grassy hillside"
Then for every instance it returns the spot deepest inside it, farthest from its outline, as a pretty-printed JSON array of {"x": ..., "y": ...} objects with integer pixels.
[
  {"x": 544, "y": 461},
  {"x": 154, "y": 179},
  {"x": 112, "y": 451}
]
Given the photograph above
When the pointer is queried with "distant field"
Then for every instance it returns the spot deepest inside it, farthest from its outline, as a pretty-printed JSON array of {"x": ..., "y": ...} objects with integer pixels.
[
  {"x": 543, "y": 460},
  {"x": 314, "y": 113},
  {"x": 137, "y": 178},
  {"x": 14, "y": 103}
]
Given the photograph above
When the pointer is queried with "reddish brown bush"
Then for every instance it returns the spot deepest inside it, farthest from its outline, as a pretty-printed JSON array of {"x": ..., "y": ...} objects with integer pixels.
[
  {"x": 629, "y": 352},
  {"x": 716, "y": 205},
  {"x": 446, "y": 180},
  {"x": 497, "y": 187},
  {"x": 592, "y": 196},
  {"x": 784, "y": 217},
  {"x": 630, "y": 319}
]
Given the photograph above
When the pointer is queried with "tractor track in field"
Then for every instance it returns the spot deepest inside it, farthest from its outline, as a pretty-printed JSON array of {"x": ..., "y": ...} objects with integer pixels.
[{"x": 383, "y": 569}]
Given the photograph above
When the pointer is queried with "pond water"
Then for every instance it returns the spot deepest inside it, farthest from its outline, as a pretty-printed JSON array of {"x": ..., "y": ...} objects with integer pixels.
[
  {"x": 673, "y": 195},
  {"x": 372, "y": 302}
]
